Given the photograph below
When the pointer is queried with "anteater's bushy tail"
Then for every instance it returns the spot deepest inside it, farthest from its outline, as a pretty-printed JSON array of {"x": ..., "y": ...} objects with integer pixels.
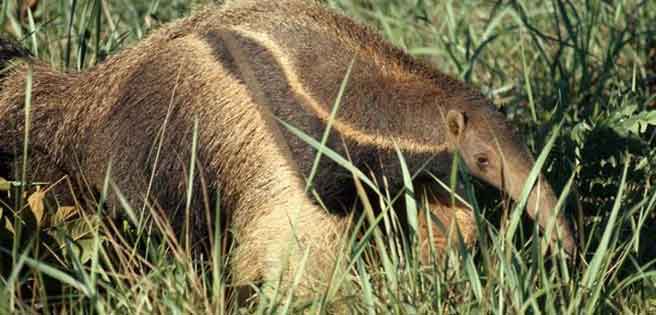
[{"x": 9, "y": 50}]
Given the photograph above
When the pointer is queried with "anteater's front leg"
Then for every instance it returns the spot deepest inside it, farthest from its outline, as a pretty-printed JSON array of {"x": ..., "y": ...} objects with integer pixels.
[
  {"x": 284, "y": 235},
  {"x": 447, "y": 224}
]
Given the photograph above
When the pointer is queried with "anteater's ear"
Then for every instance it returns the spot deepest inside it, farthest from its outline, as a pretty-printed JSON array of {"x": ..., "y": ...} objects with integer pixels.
[{"x": 455, "y": 122}]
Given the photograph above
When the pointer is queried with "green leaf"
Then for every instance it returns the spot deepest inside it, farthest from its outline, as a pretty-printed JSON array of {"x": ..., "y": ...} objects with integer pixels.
[
  {"x": 83, "y": 249},
  {"x": 5, "y": 185},
  {"x": 62, "y": 214},
  {"x": 411, "y": 203},
  {"x": 79, "y": 228},
  {"x": 626, "y": 121},
  {"x": 81, "y": 233}
]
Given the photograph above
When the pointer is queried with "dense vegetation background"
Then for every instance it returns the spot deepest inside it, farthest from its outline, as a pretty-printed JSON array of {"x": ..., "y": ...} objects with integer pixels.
[{"x": 580, "y": 72}]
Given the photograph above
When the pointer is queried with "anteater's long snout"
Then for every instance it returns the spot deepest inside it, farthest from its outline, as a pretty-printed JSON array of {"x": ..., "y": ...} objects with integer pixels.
[{"x": 541, "y": 206}]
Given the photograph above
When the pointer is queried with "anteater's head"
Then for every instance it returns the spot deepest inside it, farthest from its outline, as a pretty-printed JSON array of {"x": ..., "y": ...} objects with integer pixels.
[{"x": 493, "y": 152}]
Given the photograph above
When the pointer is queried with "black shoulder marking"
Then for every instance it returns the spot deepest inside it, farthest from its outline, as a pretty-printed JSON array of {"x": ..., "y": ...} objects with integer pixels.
[{"x": 222, "y": 53}]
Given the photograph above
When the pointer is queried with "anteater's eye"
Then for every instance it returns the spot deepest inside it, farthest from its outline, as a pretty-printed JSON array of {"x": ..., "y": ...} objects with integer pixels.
[{"x": 482, "y": 161}]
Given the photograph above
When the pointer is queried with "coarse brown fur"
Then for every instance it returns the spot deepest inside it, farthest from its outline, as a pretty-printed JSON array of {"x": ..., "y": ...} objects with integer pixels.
[{"x": 234, "y": 69}]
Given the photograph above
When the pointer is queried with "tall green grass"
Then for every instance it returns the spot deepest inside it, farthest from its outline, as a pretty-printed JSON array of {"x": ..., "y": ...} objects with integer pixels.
[{"x": 574, "y": 76}]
